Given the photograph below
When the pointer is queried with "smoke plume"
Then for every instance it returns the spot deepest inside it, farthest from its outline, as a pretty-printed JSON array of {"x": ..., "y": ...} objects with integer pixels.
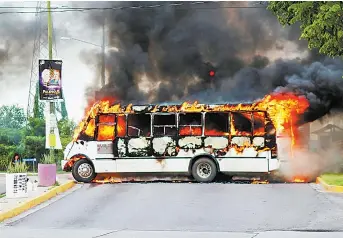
[
  {"x": 164, "y": 54},
  {"x": 16, "y": 42}
]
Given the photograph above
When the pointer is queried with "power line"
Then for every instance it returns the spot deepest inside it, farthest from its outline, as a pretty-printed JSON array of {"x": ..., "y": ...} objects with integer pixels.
[{"x": 83, "y": 9}]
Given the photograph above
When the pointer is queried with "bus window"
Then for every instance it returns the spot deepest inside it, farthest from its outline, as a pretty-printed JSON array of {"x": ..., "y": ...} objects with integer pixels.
[
  {"x": 106, "y": 127},
  {"x": 164, "y": 125},
  {"x": 190, "y": 124},
  {"x": 121, "y": 125},
  {"x": 259, "y": 123},
  {"x": 270, "y": 135},
  {"x": 241, "y": 124},
  {"x": 139, "y": 125},
  {"x": 88, "y": 133},
  {"x": 216, "y": 124}
]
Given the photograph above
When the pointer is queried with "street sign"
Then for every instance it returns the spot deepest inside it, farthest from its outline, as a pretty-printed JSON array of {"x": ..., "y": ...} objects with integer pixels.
[{"x": 29, "y": 160}]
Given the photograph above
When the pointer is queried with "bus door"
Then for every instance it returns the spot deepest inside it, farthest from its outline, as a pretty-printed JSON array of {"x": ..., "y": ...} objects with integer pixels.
[
  {"x": 105, "y": 134},
  {"x": 247, "y": 143},
  {"x": 138, "y": 142},
  {"x": 134, "y": 149}
]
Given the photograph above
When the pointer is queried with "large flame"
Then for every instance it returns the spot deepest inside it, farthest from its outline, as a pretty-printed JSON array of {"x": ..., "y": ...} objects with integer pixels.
[{"x": 283, "y": 109}]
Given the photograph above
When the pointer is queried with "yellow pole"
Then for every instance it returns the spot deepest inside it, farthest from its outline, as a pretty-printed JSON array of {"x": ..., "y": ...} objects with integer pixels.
[{"x": 52, "y": 137}]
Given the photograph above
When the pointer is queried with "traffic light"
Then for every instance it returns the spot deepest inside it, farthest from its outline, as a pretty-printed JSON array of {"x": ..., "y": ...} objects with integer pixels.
[
  {"x": 211, "y": 73},
  {"x": 208, "y": 71}
]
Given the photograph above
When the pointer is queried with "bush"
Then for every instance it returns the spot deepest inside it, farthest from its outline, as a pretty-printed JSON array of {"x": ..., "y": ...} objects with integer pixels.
[
  {"x": 34, "y": 147},
  {"x": 48, "y": 159},
  {"x": 10, "y": 136},
  {"x": 17, "y": 168},
  {"x": 6, "y": 154}
]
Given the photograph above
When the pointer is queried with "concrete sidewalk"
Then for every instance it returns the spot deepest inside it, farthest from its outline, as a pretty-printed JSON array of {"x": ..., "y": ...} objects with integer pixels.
[{"x": 7, "y": 204}]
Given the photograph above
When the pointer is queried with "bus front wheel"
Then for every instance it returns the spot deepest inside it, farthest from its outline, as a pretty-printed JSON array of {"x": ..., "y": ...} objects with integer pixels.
[
  {"x": 83, "y": 171},
  {"x": 204, "y": 170}
]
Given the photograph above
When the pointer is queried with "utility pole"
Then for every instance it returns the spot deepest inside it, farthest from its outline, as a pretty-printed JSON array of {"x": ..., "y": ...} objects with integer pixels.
[
  {"x": 103, "y": 53},
  {"x": 41, "y": 50},
  {"x": 51, "y": 111}
]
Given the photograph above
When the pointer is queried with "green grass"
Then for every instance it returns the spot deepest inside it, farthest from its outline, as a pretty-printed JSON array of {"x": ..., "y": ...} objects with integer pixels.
[
  {"x": 2, "y": 195},
  {"x": 333, "y": 179},
  {"x": 55, "y": 185}
]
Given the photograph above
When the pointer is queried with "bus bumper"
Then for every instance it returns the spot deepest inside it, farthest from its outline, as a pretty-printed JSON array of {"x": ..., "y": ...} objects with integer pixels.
[{"x": 63, "y": 165}]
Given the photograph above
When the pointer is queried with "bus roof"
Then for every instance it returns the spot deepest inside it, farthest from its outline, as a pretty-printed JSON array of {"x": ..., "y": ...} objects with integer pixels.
[{"x": 184, "y": 107}]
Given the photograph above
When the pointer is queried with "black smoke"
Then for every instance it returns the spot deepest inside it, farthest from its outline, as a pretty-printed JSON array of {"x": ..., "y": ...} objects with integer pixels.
[
  {"x": 174, "y": 45},
  {"x": 17, "y": 34}
]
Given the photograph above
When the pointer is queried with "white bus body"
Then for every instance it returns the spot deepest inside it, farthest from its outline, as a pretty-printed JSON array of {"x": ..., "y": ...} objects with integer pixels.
[{"x": 228, "y": 154}]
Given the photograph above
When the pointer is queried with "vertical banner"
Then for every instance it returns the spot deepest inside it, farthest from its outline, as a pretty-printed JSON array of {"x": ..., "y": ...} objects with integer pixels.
[
  {"x": 50, "y": 81},
  {"x": 50, "y": 91},
  {"x": 52, "y": 140}
]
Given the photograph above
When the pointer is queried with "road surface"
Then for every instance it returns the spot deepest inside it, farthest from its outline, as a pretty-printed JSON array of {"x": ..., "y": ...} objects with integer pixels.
[{"x": 178, "y": 208}]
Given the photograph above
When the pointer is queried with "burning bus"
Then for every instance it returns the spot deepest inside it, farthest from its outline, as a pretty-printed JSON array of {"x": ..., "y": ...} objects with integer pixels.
[{"x": 198, "y": 140}]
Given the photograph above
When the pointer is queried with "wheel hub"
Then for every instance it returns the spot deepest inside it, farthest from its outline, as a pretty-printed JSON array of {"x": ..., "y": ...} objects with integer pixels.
[
  {"x": 204, "y": 170},
  {"x": 85, "y": 170}
]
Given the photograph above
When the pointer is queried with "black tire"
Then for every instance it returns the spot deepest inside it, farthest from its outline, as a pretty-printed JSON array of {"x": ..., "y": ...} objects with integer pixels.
[
  {"x": 88, "y": 176},
  {"x": 207, "y": 175}
]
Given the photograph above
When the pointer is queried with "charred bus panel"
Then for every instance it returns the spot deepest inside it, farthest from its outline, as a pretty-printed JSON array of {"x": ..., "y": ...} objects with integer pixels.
[{"x": 152, "y": 139}]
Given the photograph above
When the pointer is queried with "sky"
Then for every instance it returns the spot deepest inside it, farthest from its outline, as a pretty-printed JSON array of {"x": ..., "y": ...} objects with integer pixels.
[
  {"x": 79, "y": 70},
  {"x": 76, "y": 73}
]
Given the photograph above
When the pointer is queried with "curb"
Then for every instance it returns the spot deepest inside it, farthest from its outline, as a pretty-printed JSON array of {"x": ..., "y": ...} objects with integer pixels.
[
  {"x": 329, "y": 188},
  {"x": 36, "y": 201}
]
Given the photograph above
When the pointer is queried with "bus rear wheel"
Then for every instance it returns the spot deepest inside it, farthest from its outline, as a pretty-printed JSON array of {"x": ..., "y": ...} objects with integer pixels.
[
  {"x": 204, "y": 170},
  {"x": 83, "y": 171}
]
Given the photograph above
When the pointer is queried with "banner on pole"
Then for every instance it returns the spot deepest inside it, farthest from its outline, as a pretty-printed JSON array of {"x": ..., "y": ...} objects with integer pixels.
[
  {"x": 52, "y": 136},
  {"x": 50, "y": 80}
]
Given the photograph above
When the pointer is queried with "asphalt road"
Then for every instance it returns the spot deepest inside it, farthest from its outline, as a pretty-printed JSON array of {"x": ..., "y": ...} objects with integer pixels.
[{"x": 241, "y": 209}]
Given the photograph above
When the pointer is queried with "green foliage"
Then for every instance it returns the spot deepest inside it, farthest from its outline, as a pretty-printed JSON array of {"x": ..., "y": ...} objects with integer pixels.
[
  {"x": 10, "y": 136},
  {"x": 28, "y": 141},
  {"x": 35, "y": 127},
  {"x": 12, "y": 117},
  {"x": 34, "y": 146},
  {"x": 321, "y": 23},
  {"x": 48, "y": 158},
  {"x": 6, "y": 154},
  {"x": 19, "y": 167},
  {"x": 38, "y": 107},
  {"x": 66, "y": 127}
]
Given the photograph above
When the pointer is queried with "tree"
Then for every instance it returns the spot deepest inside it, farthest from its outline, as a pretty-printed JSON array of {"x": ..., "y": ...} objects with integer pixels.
[
  {"x": 66, "y": 127},
  {"x": 38, "y": 107},
  {"x": 36, "y": 127},
  {"x": 12, "y": 117},
  {"x": 321, "y": 23}
]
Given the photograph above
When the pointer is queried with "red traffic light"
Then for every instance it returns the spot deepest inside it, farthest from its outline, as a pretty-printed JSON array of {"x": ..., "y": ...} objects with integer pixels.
[{"x": 212, "y": 73}]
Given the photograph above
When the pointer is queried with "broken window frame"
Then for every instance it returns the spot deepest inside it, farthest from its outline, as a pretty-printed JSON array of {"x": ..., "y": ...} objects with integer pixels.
[
  {"x": 253, "y": 123},
  {"x": 227, "y": 126},
  {"x": 98, "y": 123},
  {"x": 175, "y": 126},
  {"x": 83, "y": 135},
  {"x": 201, "y": 125},
  {"x": 126, "y": 127},
  {"x": 136, "y": 128},
  {"x": 232, "y": 123}
]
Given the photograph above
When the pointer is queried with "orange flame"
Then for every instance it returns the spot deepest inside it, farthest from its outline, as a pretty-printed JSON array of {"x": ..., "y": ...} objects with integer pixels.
[{"x": 283, "y": 110}]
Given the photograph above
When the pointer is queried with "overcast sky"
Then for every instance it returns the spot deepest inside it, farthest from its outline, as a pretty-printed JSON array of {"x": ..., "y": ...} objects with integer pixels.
[{"x": 76, "y": 73}]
